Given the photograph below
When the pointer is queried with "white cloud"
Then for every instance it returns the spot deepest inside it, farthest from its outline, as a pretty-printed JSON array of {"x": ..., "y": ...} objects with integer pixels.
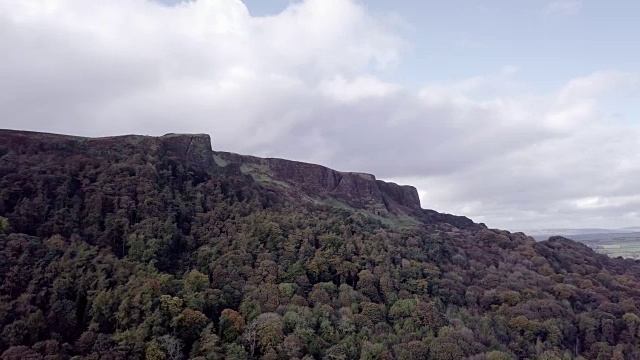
[
  {"x": 357, "y": 89},
  {"x": 308, "y": 84},
  {"x": 564, "y": 7},
  {"x": 595, "y": 85}
]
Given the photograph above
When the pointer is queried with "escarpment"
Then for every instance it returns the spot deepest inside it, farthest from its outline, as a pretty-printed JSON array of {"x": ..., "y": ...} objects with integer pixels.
[
  {"x": 289, "y": 180},
  {"x": 115, "y": 247},
  {"x": 193, "y": 149},
  {"x": 358, "y": 190}
]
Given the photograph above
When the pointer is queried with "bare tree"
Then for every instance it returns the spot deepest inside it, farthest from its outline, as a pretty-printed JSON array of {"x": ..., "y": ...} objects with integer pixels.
[
  {"x": 264, "y": 331},
  {"x": 172, "y": 346},
  {"x": 250, "y": 336}
]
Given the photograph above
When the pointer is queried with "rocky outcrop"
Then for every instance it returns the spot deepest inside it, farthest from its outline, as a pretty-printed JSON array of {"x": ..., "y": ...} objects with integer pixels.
[
  {"x": 290, "y": 179},
  {"x": 358, "y": 190},
  {"x": 461, "y": 222},
  {"x": 405, "y": 195},
  {"x": 362, "y": 191},
  {"x": 193, "y": 148}
]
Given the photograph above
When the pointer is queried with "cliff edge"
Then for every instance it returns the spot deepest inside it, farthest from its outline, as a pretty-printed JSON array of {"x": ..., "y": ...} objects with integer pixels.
[
  {"x": 293, "y": 180},
  {"x": 358, "y": 190}
]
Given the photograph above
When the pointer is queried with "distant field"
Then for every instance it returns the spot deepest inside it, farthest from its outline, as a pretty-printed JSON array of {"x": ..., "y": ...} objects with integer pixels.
[{"x": 612, "y": 244}]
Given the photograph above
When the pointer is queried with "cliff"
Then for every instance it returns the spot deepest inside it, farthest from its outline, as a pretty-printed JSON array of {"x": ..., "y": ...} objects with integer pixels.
[
  {"x": 139, "y": 247},
  {"x": 292, "y": 180},
  {"x": 193, "y": 149},
  {"x": 300, "y": 179}
]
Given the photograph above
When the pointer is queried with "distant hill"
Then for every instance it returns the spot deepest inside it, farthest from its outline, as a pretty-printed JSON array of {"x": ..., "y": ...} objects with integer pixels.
[
  {"x": 624, "y": 242},
  {"x": 139, "y": 247},
  {"x": 543, "y": 234},
  {"x": 613, "y": 244}
]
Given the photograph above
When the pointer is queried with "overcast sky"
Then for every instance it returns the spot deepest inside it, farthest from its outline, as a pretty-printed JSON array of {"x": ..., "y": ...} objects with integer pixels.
[{"x": 519, "y": 114}]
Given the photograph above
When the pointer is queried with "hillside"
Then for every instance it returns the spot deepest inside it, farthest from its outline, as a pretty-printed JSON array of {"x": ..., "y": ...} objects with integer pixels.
[{"x": 138, "y": 247}]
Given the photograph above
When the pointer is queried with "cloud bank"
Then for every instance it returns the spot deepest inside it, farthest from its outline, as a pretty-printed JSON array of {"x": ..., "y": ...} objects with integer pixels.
[{"x": 312, "y": 83}]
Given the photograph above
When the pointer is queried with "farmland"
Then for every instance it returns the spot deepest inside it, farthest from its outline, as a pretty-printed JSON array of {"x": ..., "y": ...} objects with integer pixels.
[{"x": 613, "y": 244}]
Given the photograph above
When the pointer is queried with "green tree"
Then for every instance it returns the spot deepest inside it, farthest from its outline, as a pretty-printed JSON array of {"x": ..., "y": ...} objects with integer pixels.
[{"x": 4, "y": 224}]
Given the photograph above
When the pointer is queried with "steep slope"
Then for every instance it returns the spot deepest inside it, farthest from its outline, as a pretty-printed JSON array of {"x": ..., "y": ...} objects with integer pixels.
[
  {"x": 139, "y": 247},
  {"x": 355, "y": 189},
  {"x": 291, "y": 180}
]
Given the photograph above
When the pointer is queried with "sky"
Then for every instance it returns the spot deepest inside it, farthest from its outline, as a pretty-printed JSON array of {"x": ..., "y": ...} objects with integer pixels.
[{"x": 519, "y": 114}]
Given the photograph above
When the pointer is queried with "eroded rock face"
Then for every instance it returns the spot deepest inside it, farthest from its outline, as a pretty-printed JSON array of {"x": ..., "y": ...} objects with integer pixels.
[
  {"x": 356, "y": 189},
  {"x": 461, "y": 222},
  {"x": 291, "y": 179},
  {"x": 194, "y": 148},
  {"x": 405, "y": 195}
]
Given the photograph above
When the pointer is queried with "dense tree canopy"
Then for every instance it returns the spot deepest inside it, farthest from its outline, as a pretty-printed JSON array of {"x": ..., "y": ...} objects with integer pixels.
[{"x": 138, "y": 255}]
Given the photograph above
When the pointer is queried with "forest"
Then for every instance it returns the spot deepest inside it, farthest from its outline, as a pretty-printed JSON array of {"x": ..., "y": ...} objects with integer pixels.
[{"x": 129, "y": 251}]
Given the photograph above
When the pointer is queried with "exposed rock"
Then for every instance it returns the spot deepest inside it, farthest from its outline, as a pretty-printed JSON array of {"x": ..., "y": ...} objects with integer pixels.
[
  {"x": 401, "y": 194},
  {"x": 355, "y": 189},
  {"x": 291, "y": 179},
  {"x": 191, "y": 148},
  {"x": 194, "y": 148},
  {"x": 461, "y": 222}
]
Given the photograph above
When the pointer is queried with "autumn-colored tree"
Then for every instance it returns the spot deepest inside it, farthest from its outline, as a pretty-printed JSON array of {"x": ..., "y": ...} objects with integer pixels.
[
  {"x": 231, "y": 324},
  {"x": 126, "y": 248}
]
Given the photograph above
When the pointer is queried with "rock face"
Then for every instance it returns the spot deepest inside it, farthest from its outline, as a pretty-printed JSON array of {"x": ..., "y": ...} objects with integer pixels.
[
  {"x": 405, "y": 195},
  {"x": 194, "y": 149},
  {"x": 355, "y": 189},
  {"x": 292, "y": 179}
]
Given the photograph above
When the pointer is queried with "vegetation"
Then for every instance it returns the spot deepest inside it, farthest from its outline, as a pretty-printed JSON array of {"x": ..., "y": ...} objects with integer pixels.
[{"x": 131, "y": 253}]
